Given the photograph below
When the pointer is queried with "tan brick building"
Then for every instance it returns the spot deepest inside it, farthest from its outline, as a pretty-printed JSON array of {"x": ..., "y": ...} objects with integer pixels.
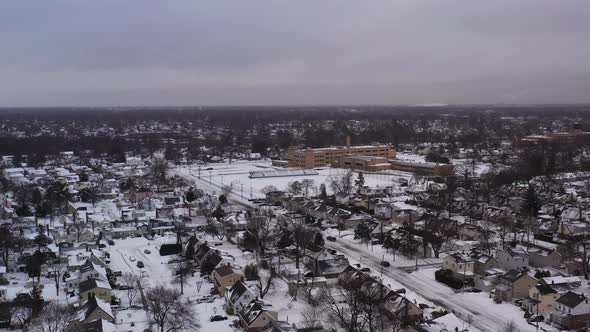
[{"x": 320, "y": 157}]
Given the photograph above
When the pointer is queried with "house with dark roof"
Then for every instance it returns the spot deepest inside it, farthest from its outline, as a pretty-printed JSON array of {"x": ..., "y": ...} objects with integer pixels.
[
  {"x": 257, "y": 315},
  {"x": 572, "y": 312},
  {"x": 514, "y": 285},
  {"x": 100, "y": 325},
  {"x": 330, "y": 267},
  {"x": 93, "y": 287},
  {"x": 94, "y": 309},
  {"x": 225, "y": 276},
  {"x": 279, "y": 326},
  {"x": 238, "y": 296},
  {"x": 483, "y": 264}
]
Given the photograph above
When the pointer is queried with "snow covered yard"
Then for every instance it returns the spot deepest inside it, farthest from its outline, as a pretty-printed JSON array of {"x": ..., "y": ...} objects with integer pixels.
[{"x": 236, "y": 175}]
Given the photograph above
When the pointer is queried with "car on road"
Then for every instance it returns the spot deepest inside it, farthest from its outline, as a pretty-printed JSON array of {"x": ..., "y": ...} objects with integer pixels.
[
  {"x": 472, "y": 290},
  {"x": 385, "y": 263},
  {"x": 147, "y": 252},
  {"x": 217, "y": 318},
  {"x": 331, "y": 238},
  {"x": 140, "y": 264}
]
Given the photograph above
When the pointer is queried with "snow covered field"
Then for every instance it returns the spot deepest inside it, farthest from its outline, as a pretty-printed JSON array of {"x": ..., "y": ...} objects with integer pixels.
[{"x": 236, "y": 175}]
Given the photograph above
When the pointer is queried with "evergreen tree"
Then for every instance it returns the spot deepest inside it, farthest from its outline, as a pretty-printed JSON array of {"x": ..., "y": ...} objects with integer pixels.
[
  {"x": 41, "y": 240},
  {"x": 319, "y": 240},
  {"x": 359, "y": 182},
  {"x": 323, "y": 193}
]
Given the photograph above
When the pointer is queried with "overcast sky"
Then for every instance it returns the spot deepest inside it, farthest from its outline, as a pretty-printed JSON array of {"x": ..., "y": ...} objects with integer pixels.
[{"x": 218, "y": 52}]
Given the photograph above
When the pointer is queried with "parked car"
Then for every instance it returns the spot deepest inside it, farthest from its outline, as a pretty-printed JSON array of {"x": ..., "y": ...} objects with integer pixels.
[
  {"x": 366, "y": 269},
  {"x": 217, "y": 318},
  {"x": 385, "y": 263},
  {"x": 331, "y": 238},
  {"x": 111, "y": 242},
  {"x": 132, "y": 258},
  {"x": 472, "y": 290},
  {"x": 140, "y": 264},
  {"x": 146, "y": 251}
]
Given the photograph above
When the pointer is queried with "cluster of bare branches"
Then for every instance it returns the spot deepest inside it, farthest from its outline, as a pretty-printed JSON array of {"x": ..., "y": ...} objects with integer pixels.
[{"x": 169, "y": 312}]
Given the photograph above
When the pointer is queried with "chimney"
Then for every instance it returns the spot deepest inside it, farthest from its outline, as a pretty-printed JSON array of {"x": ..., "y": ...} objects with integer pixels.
[{"x": 348, "y": 141}]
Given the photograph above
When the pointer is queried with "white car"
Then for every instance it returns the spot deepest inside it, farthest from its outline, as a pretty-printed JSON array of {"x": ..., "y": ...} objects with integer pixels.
[{"x": 132, "y": 258}]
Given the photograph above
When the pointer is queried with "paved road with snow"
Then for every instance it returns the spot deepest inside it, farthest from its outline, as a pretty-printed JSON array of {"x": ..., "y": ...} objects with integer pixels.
[{"x": 482, "y": 310}]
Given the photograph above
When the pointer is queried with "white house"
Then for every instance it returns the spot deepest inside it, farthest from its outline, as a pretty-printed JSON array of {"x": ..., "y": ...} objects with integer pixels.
[
  {"x": 461, "y": 264},
  {"x": 513, "y": 259}
]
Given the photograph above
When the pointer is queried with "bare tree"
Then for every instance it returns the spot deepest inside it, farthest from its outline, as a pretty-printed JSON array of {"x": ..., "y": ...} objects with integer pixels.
[
  {"x": 53, "y": 318},
  {"x": 262, "y": 230},
  {"x": 295, "y": 187},
  {"x": 341, "y": 185},
  {"x": 22, "y": 315},
  {"x": 7, "y": 244},
  {"x": 268, "y": 189},
  {"x": 159, "y": 170},
  {"x": 510, "y": 327},
  {"x": 130, "y": 280},
  {"x": 57, "y": 269},
  {"x": 356, "y": 304},
  {"x": 307, "y": 185},
  {"x": 180, "y": 269},
  {"x": 265, "y": 281},
  {"x": 169, "y": 312}
]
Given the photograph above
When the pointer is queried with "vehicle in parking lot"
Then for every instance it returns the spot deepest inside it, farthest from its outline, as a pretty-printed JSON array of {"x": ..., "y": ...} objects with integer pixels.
[
  {"x": 385, "y": 263},
  {"x": 217, "y": 318},
  {"x": 331, "y": 238},
  {"x": 140, "y": 264}
]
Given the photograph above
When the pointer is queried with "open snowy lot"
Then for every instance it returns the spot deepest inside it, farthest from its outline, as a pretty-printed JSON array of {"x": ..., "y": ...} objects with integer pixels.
[{"x": 236, "y": 175}]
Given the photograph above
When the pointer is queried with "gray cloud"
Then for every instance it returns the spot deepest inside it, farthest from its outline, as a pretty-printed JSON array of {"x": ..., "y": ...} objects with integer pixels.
[{"x": 186, "y": 52}]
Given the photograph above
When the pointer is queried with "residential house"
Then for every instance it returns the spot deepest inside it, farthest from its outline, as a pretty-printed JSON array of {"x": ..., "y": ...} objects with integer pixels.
[
  {"x": 257, "y": 315},
  {"x": 224, "y": 276},
  {"x": 279, "y": 326},
  {"x": 541, "y": 299},
  {"x": 484, "y": 263},
  {"x": 399, "y": 309},
  {"x": 514, "y": 285},
  {"x": 94, "y": 309},
  {"x": 238, "y": 296},
  {"x": 330, "y": 267},
  {"x": 100, "y": 289},
  {"x": 461, "y": 264},
  {"x": 513, "y": 259},
  {"x": 545, "y": 258},
  {"x": 572, "y": 312},
  {"x": 99, "y": 325}
]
